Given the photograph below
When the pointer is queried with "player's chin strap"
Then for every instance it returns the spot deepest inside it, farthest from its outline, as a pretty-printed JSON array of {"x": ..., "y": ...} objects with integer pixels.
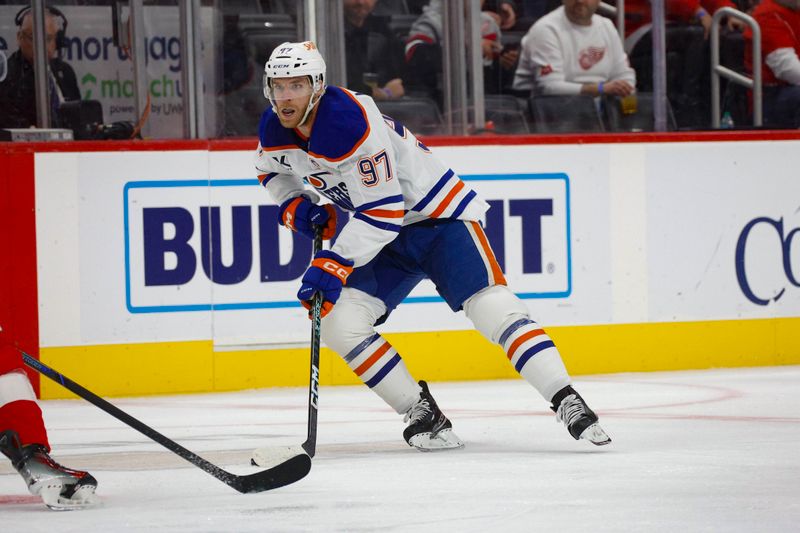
[{"x": 311, "y": 103}]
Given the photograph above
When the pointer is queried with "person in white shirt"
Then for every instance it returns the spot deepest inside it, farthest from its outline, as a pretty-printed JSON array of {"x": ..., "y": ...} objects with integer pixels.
[{"x": 571, "y": 50}]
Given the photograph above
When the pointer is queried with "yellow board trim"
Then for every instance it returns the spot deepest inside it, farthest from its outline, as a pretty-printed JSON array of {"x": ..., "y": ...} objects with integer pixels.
[{"x": 193, "y": 367}]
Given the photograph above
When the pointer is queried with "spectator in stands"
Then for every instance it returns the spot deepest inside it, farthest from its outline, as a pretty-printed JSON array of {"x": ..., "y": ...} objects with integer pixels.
[
  {"x": 638, "y": 14},
  {"x": 374, "y": 54},
  {"x": 504, "y": 12},
  {"x": 423, "y": 52},
  {"x": 688, "y": 66},
  {"x": 780, "y": 59},
  {"x": 571, "y": 50},
  {"x": 18, "y": 90}
]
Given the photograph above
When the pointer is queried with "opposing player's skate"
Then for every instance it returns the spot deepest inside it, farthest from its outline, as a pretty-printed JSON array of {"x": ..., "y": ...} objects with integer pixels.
[
  {"x": 428, "y": 429},
  {"x": 60, "y": 488},
  {"x": 581, "y": 421}
]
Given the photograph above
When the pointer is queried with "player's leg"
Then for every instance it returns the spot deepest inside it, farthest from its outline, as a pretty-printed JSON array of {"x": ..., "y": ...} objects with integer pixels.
[
  {"x": 502, "y": 318},
  {"x": 480, "y": 288},
  {"x": 372, "y": 292},
  {"x": 23, "y": 439}
]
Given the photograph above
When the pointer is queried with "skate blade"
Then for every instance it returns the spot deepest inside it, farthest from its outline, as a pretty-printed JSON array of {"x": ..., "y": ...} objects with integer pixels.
[
  {"x": 596, "y": 435},
  {"x": 444, "y": 440},
  {"x": 83, "y": 498}
]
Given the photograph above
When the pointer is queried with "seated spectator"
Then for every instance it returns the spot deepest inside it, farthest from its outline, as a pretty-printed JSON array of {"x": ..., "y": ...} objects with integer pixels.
[
  {"x": 504, "y": 12},
  {"x": 780, "y": 65},
  {"x": 571, "y": 50},
  {"x": 18, "y": 90},
  {"x": 423, "y": 52},
  {"x": 638, "y": 14},
  {"x": 688, "y": 55},
  {"x": 374, "y": 54}
]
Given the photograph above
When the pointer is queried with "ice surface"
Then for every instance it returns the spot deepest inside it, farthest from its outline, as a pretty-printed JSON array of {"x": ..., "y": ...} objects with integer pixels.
[{"x": 714, "y": 450}]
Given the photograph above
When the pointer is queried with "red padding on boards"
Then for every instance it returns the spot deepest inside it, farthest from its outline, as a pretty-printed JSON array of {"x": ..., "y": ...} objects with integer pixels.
[{"x": 19, "y": 319}]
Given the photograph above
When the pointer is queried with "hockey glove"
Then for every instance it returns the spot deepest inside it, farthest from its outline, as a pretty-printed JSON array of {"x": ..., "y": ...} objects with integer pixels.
[
  {"x": 301, "y": 214},
  {"x": 327, "y": 274}
]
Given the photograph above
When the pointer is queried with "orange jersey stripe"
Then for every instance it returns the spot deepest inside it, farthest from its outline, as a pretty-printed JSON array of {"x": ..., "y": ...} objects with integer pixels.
[
  {"x": 366, "y": 365},
  {"x": 385, "y": 213},
  {"x": 522, "y": 338},
  {"x": 499, "y": 278},
  {"x": 447, "y": 199}
]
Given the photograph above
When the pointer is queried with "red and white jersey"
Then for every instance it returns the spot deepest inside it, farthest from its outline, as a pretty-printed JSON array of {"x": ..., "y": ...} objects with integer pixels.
[
  {"x": 366, "y": 163},
  {"x": 780, "y": 44},
  {"x": 558, "y": 57}
]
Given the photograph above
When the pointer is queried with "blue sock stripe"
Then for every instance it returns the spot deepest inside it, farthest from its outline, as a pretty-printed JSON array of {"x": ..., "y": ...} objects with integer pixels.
[
  {"x": 530, "y": 352},
  {"x": 363, "y": 345},
  {"x": 512, "y": 328},
  {"x": 383, "y": 371}
]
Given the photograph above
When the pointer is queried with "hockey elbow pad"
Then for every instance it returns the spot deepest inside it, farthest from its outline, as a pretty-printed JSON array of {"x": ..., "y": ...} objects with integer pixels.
[{"x": 301, "y": 214}]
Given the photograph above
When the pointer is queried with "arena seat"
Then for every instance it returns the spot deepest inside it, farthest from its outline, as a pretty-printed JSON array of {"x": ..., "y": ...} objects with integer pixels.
[
  {"x": 565, "y": 114},
  {"x": 642, "y": 120},
  {"x": 421, "y": 115}
]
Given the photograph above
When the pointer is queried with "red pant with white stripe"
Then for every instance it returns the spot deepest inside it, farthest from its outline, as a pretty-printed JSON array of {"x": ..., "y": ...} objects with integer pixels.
[{"x": 18, "y": 408}]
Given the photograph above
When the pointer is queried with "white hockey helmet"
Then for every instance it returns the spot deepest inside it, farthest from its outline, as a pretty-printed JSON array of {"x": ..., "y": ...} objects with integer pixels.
[{"x": 289, "y": 60}]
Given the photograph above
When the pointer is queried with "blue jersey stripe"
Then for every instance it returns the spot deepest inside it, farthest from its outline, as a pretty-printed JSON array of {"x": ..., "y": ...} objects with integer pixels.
[
  {"x": 268, "y": 177},
  {"x": 463, "y": 204},
  {"x": 386, "y": 226},
  {"x": 530, "y": 352},
  {"x": 433, "y": 192},
  {"x": 398, "y": 198},
  {"x": 383, "y": 371}
]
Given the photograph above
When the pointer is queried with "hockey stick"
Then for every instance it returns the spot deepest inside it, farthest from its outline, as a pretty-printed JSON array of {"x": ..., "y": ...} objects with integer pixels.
[
  {"x": 283, "y": 474},
  {"x": 271, "y": 455}
]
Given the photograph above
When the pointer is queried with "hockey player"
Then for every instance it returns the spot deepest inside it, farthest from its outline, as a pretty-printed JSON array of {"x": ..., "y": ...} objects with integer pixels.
[
  {"x": 412, "y": 218},
  {"x": 23, "y": 439}
]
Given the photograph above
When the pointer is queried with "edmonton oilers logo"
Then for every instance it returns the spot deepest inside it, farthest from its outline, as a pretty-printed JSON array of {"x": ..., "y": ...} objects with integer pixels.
[{"x": 316, "y": 182}]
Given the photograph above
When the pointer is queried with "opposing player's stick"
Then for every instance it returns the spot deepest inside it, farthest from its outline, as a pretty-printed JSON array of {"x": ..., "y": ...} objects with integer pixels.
[
  {"x": 282, "y": 474},
  {"x": 272, "y": 455}
]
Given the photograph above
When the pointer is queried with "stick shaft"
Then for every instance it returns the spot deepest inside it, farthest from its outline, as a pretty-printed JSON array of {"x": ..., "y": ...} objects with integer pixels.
[
  {"x": 310, "y": 444},
  {"x": 125, "y": 418}
]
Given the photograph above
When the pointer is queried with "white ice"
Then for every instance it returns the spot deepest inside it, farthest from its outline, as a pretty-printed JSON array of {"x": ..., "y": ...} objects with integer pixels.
[{"x": 715, "y": 450}]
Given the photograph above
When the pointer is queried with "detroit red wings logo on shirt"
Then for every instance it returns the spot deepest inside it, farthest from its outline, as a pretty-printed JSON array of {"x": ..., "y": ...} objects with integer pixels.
[{"x": 591, "y": 56}]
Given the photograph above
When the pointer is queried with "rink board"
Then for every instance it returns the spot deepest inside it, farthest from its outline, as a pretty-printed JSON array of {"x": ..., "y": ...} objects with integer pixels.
[{"x": 634, "y": 253}]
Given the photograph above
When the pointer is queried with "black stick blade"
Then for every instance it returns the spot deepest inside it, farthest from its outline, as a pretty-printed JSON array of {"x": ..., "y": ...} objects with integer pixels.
[{"x": 283, "y": 474}]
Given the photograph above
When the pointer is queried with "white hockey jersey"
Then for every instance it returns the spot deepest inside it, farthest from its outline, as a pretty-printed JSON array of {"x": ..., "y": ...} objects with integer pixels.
[{"x": 366, "y": 163}]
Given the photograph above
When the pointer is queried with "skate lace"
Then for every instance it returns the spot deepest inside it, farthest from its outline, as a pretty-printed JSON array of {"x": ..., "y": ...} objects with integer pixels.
[
  {"x": 570, "y": 409},
  {"x": 417, "y": 412}
]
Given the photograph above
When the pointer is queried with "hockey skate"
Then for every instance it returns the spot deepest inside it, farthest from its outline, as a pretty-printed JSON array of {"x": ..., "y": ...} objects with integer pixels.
[
  {"x": 581, "y": 421},
  {"x": 428, "y": 429},
  {"x": 59, "y": 487}
]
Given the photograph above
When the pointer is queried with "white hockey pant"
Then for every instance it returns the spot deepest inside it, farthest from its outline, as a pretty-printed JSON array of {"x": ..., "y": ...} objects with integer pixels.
[
  {"x": 503, "y": 319},
  {"x": 348, "y": 330}
]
